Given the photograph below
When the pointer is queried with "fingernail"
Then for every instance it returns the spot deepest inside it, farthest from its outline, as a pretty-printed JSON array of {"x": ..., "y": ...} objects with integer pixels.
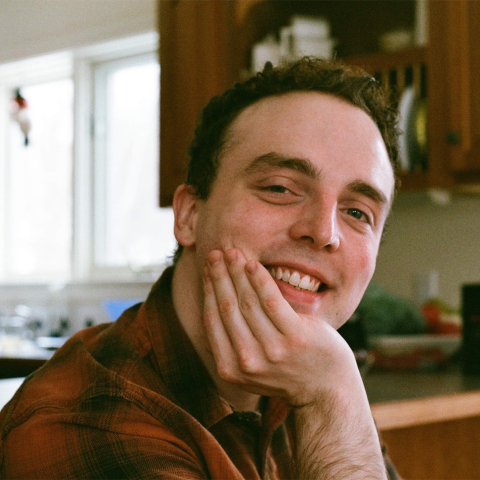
[
  {"x": 231, "y": 256},
  {"x": 251, "y": 266}
]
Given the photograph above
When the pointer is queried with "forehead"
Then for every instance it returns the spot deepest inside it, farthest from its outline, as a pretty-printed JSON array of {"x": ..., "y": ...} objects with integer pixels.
[
  {"x": 302, "y": 112},
  {"x": 328, "y": 131}
]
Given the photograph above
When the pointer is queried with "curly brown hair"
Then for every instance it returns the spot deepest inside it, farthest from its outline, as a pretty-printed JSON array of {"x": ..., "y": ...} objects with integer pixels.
[{"x": 351, "y": 84}]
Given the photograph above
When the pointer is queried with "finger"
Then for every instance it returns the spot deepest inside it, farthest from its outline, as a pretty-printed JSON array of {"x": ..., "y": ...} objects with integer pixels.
[
  {"x": 273, "y": 304},
  {"x": 218, "y": 338},
  {"x": 249, "y": 302},
  {"x": 235, "y": 325}
]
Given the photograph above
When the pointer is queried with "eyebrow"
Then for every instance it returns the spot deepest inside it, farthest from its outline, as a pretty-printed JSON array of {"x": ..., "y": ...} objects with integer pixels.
[
  {"x": 275, "y": 160},
  {"x": 305, "y": 166},
  {"x": 358, "y": 186}
]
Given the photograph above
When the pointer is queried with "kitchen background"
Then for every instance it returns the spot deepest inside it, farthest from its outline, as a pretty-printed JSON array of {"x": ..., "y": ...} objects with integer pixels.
[
  {"x": 432, "y": 241},
  {"x": 31, "y": 28}
]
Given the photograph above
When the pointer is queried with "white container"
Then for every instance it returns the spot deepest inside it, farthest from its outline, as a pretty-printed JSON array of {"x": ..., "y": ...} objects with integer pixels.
[
  {"x": 286, "y": 43},
  {"x": 393, "y": 345},
  {"x": 303, "y": 25},
  {"x": 313, "y": 46},
  {"x": 267, "y": 50},
  {"x": 294, "y": 44}
]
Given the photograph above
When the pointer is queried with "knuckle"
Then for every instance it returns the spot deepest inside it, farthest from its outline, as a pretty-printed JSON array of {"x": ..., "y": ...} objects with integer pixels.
[
  {"x": 209, "y": 318},
  {"x": 274, "y": 353},
  {"x": 249, "y": 302},
  {"x": 247, "y": 362},
  {"x": 271, "y": 303},
  {"x": 226, "y": 306}
]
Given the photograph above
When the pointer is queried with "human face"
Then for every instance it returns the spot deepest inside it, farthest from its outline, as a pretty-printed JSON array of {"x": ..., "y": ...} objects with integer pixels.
[{"x": 304, "y": 186}]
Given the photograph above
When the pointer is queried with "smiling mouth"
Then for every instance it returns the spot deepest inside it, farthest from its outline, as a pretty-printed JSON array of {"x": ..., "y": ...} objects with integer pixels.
[{"x": 298, "y": 280}]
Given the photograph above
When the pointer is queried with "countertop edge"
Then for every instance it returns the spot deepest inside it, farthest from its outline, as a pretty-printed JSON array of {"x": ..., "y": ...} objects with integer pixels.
[{"x": 422, "y": 411}]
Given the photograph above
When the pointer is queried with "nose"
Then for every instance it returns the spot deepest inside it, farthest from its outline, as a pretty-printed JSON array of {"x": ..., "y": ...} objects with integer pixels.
[{"x": 318, "y": 226}]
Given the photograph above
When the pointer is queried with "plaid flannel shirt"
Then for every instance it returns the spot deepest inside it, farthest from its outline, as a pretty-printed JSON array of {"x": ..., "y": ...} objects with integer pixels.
[{"x": 132, "y": 399}]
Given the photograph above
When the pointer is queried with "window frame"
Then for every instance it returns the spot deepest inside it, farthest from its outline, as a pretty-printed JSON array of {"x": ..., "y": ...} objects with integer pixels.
[
  {"x": 78, "y": 64},
  {"x": 85, "y": 62}
]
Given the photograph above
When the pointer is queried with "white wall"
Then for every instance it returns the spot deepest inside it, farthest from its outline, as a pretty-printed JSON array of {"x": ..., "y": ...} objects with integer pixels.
[
  {"x": 33, "y": 27},
  {"x": 423, "y": 236}
]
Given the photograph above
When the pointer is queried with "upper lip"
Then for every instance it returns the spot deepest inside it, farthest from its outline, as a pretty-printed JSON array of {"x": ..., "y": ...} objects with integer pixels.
[{"x": 304, "y": 269}]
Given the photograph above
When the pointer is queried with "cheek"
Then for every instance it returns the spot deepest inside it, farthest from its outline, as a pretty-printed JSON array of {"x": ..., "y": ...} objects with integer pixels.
[
  {"x": 364, "y": 265},
  {"x": 224, "y": 228},
  {"x": 247, "y": 220}
]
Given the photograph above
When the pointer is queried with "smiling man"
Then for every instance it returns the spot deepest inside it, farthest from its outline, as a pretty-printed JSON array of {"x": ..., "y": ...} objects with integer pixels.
[{"x": 233, "y": 368}]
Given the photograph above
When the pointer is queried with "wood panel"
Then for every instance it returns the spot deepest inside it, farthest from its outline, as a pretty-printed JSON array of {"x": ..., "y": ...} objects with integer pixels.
[
  {"x": 197, "y": 57},
  {"x": 425, "y": 411},
  {"x": 205, "y": 44},
  {"x": 438, "y": 88},
  {"x": 438, "y": 451},
  {"x": 472, "y": 162},
  {"x": 433, "y": 438},
  {"x": 454, "y": 104}
]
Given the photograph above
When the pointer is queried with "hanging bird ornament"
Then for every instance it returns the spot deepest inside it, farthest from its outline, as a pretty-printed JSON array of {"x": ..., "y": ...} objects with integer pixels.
[{"x": 20, "y": 114}]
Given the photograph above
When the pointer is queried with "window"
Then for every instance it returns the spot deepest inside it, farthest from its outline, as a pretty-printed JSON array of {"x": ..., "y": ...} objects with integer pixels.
[
  {"x": 81, "y": 200},
  {"x": 38, "y": 187},
  {"x": 126, "y": 161}
]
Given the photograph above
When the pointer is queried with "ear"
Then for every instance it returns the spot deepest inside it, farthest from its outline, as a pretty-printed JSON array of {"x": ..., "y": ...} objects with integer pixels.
[{"x": 185, "y": 208}]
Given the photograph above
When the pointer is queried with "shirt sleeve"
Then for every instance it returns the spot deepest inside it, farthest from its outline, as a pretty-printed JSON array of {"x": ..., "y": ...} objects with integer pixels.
[{"x": 86, "y": 452}]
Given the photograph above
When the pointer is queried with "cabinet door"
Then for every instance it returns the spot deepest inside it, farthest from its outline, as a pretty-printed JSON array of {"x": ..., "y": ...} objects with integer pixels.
[
  {"x": 197, "y": 62},
  {"x": 455, "y": 67}
]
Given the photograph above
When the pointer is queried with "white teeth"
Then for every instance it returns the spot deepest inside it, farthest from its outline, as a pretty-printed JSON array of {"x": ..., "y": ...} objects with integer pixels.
[
  {"x": 304, "y": 283},
  {"x": 294, "y": 279},
  {"x": 279, "y": 272}
]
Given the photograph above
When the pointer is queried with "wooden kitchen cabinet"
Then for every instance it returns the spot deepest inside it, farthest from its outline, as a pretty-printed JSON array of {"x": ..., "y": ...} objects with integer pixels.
[
  {"x": 452, "y": 64},
  {"x": 454, "y": 53},
  {"x": 206, "y": 45},
  {"x": 197, "y": 58}
]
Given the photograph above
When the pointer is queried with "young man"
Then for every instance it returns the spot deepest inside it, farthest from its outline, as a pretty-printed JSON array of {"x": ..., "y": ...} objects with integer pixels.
[{"x": 233, "y": 367}]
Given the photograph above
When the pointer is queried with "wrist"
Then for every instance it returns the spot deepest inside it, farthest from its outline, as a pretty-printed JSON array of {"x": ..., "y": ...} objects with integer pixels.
[{"x": 340, "y": 384}]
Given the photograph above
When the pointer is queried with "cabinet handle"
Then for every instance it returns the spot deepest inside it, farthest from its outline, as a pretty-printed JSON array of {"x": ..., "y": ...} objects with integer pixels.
[{"x": 453, "y": 138}]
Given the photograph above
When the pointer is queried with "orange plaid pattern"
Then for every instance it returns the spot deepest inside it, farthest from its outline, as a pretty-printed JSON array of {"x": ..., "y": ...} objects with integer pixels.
[{"x": 132, "y": 400}]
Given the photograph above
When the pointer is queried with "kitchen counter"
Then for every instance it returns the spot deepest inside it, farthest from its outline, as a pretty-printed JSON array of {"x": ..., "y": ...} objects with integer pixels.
[
  {"x": 21, "y": 364},
  {"x": 429, "y": 421},
  {"x": 8, "y": 387},
  {"x": 403, "y": 399},
  {"x": 385, "y": 386}
]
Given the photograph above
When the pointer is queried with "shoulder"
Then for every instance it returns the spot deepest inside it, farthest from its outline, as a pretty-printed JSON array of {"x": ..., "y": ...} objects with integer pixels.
[{"x": 108, "y": 429}]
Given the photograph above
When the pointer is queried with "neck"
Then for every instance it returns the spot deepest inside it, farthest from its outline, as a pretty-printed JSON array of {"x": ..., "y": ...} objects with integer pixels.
[{"x": 188, "y": 302}]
